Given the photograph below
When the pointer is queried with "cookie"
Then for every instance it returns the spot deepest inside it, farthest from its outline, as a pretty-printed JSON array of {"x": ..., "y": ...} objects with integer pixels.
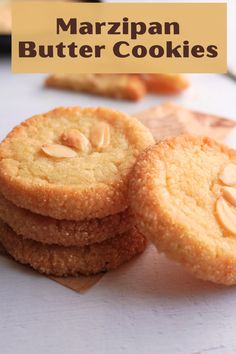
[
  {"x": 119, "y": 86},
  {"x": 183, "y": 196},
  {"x": 63, "y": 261},
  {"x": 165, "y": 83},
  {"x": 62, "y": 232},
  {"x": 72, "y": 163}
]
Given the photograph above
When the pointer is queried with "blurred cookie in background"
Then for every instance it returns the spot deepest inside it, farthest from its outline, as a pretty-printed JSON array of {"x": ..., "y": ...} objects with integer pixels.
[
  {"x": 165, "y": 83},
  {"x": 131, "y": 87},
  {"x": 118, "y": 86}
]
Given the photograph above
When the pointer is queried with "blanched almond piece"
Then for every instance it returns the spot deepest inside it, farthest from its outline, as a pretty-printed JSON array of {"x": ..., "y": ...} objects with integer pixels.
[
  {"x": 226, "y": 215},
  {"x": 74, "y": 138},
  {"x": 229, "y": 193},
  {"x": 107, "y": 136},
  {"x": 100, "y": 135},
  {"x": 228, "y": 175},
  {"x": 217, "y": 190},
  {"x": 58, "y": 151}
]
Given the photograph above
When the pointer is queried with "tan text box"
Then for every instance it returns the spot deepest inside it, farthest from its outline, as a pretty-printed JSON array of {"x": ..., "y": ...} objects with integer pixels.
[{"x": 119, "y": 38}]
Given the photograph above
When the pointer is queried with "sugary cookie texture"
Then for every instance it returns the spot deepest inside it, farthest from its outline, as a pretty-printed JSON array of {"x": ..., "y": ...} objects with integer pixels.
[
  {"x": 63, "y": 261},
  {"x": 63, "y": 232},
  {"x": 72, "y": 163},
  {"x": 183, "y": 196}
]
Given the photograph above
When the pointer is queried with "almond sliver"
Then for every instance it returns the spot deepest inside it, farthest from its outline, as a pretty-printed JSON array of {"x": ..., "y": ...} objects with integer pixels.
[
  {"x": 228, "y": 175},
  {"x": 100, "y": 135},
  {"x": 229, "y": 193},
  {"x": 58, "y": 151},
  {"x": 75, "y": 139},
  {"x": 226, "y": 215}
]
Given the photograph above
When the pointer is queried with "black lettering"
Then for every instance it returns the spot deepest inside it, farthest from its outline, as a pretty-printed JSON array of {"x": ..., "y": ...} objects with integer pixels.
[
  {"x": 99, "y": 26},
  {"x": 186, "y": 49},
  {"x": 60, "y": 51},
  {"x": 125, "y": 29},
  {"x": 169, "y": 25},
  {"x": 197, "y": 51},
  {"x": 71, "y": 25},
  {"x": 86, "y": 28},
  {"x": 139, "y": 51},
  {"x": 117, "y": 49},
  {"x": 212, "y": 51},
  {"x": 155, "y": 28},
  {"x": 114, "y": 27},
  {"x": 172, "y": 51},
  {"x": 72, "y": 47},
  {"x": 86, "y": 51},
  {"x": 98, "y": 49},
  {"x": 27, "y": 50},
  {"x": 156, "y": 51},
  {"x": 137, "y": 28},
  {"x": 46, "y": 51}
]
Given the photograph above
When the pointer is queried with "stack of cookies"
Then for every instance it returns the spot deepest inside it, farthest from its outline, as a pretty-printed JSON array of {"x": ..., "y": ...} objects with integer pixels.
[{"x": 64, "y": 184}]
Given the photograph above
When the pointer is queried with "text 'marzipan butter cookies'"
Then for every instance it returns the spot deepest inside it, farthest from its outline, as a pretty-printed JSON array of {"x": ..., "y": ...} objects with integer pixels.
[
  {"x": 72, "y": 163},
  {"x": 183, "y": 196}
]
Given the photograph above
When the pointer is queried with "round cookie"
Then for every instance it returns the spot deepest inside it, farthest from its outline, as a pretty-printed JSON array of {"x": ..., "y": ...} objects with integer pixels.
[
  {"x": 178, "y": 194},
  {"x": 63, "y": 261},
  {"x": 72, "y": 163},
  {"x": 63, "y": 232}
]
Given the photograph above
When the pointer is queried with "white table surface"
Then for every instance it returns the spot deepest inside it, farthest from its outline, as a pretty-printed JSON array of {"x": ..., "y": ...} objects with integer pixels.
[{"x": 149, "y": 306}]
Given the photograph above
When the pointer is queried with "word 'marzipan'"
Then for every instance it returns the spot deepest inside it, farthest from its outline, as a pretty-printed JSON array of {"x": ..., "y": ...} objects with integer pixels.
[{"x": 125, "y": 27}]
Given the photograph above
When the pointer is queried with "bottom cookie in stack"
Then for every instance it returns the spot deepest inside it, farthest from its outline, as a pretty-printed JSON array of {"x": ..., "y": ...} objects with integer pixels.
[
  {"x": 72, "y": 166},
  {"x": 61, "y": 261},
  {"x": 63, "y": 247}
]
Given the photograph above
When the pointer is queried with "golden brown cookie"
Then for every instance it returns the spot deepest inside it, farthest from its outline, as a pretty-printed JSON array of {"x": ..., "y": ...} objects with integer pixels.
[
  {"x": 72, "y": 163},
  {"x": 63, "y": 261},
  {"x": 182, "y": 194},
  {"x": 63, "y": 232},
  {"x": 165, "y": 83},
  {"x": 120, "y": 86}
]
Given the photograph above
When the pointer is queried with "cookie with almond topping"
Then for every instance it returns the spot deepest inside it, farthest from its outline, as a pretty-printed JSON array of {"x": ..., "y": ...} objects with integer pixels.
[
  {"x": 64, "y": 261},
  {"x": 72, "y": 163},
  {"x": 183, "y": 196}
]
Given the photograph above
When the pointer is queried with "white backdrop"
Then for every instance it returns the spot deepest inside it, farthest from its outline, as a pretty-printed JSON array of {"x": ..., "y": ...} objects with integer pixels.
[{"x": 150, "y": 305}]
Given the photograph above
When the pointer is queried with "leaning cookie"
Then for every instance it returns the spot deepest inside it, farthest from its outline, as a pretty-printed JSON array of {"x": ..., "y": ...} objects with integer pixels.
[
  {"x": 183, "y": 196},
  {"x": 63, "y": 261},
  {"x": 72, "y": 163},
  {"x": 119, "y": 86},
  {"x": 63, "y": 232}
]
